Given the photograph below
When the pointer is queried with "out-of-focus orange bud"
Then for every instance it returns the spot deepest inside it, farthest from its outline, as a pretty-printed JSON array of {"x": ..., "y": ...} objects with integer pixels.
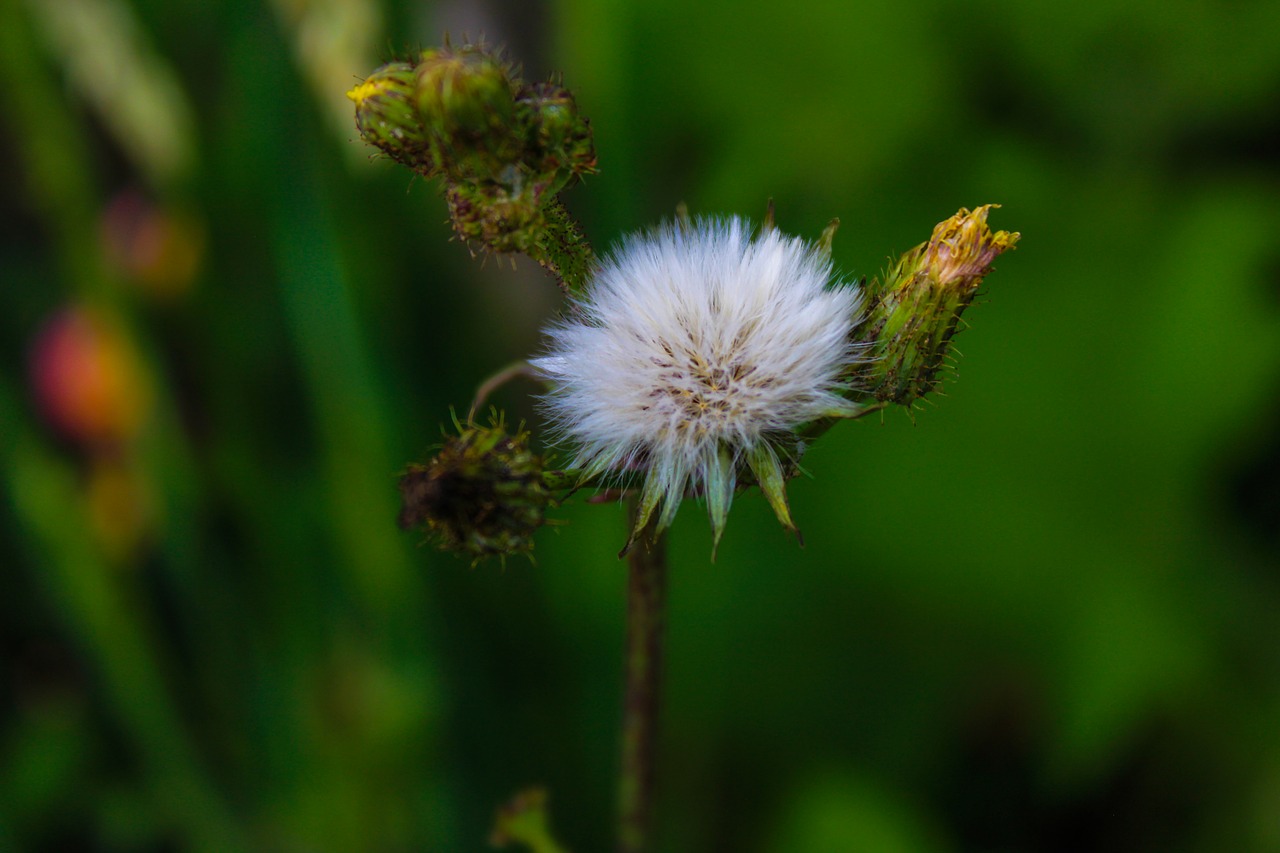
[
  {"x": 157, "y": 249},
  {"x": 87, "y": 379}
]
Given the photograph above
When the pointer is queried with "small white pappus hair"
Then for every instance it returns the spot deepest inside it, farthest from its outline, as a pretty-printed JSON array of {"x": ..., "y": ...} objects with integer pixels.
[{"x": 695, "y": 347}]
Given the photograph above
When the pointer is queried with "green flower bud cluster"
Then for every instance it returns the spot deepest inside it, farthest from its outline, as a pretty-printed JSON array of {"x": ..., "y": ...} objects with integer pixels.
[
  {"x": 916, "y": 310},
  {"x": 483, "y": 495},
  {"x": 503, "y": 147}
]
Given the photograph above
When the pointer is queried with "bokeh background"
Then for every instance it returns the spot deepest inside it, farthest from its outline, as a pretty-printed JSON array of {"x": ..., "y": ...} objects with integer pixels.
[{"x": 1042, "y": 616}]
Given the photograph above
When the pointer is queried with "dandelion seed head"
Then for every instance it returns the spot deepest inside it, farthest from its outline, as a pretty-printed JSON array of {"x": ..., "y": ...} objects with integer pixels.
[{"x": 694, "y": 347}]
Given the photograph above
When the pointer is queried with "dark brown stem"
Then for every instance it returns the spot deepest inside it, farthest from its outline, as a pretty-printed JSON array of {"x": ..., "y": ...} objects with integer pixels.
[{"x": 646, "y": 618}]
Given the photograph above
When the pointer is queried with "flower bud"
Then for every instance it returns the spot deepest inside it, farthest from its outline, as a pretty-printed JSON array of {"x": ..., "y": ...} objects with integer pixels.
[
  {"x": 498, "y": 220},
  {"x": 88, "y": 380},
  {"x": 558, "y": 144},
  {"x": 157, "y": 248},
  {"x": 483, "y": 494},
  {"x": 916, "y": 311},
  {"x": 465, "y": 99},
  {"x": 387, "y": 117}
]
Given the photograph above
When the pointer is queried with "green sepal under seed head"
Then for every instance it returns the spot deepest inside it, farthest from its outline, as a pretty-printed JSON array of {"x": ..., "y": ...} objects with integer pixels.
[
  {"x": 650, "y": 493},
  {"x": 764, "y": 465},
  {"x": 916, "y": 310},
  {"x": 828, "y": 237},
  {"x": 769, "y": 223},
  {"x": 720, "y": 484},
  {"x": 466, "y": 98},
  {"x": 388, "y": 119},
  {"x": 483, "y": 495}
]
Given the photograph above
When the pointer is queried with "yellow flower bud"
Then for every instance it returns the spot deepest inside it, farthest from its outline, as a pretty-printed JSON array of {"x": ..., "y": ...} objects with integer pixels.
[{"x": 387, "y": 117}]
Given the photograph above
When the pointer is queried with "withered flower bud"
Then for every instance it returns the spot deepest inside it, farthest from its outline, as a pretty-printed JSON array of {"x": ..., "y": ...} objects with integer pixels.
[
  {"x": 915, "y": 312},
  {"x": 483, "y": 494}
]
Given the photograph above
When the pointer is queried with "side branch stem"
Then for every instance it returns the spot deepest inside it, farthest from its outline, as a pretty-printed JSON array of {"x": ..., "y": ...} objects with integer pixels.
[
  {"x": 496, "y": 381},
  {"x": 646, "y": 619},
  {"x": 563, "y": 250}
]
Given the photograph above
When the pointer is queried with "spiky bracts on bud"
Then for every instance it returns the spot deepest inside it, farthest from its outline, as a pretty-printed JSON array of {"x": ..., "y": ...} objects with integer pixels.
[
  {"x": 483, "y": 495},
  {"x": 493, "y": 217},
  {"x": 558, "y": 147},
  {"x": 913, "y": 314},
  {"x": 504, "y": 148},
  {"x": 466, "y": 98}
]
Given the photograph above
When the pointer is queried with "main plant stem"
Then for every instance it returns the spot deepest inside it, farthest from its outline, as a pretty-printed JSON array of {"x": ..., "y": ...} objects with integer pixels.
[{"x": 646, "y": 618}]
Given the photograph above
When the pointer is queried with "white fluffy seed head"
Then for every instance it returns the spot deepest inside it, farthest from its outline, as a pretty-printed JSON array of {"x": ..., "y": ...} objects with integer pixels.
[{"x": 692, "y": 347}]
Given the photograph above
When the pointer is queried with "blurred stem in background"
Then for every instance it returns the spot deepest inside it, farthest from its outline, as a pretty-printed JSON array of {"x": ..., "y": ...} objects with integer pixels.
[{"x": 54, "y": 158}]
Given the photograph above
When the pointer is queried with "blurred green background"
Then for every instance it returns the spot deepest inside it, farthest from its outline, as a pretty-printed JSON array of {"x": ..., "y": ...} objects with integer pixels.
[{"x": 1042, "y": 617}]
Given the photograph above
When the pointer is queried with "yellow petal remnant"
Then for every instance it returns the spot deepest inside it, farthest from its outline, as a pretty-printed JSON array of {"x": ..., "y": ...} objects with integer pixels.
[
  {"x": 367, "y": 89},
  {"x": 962, "y": 248}
]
